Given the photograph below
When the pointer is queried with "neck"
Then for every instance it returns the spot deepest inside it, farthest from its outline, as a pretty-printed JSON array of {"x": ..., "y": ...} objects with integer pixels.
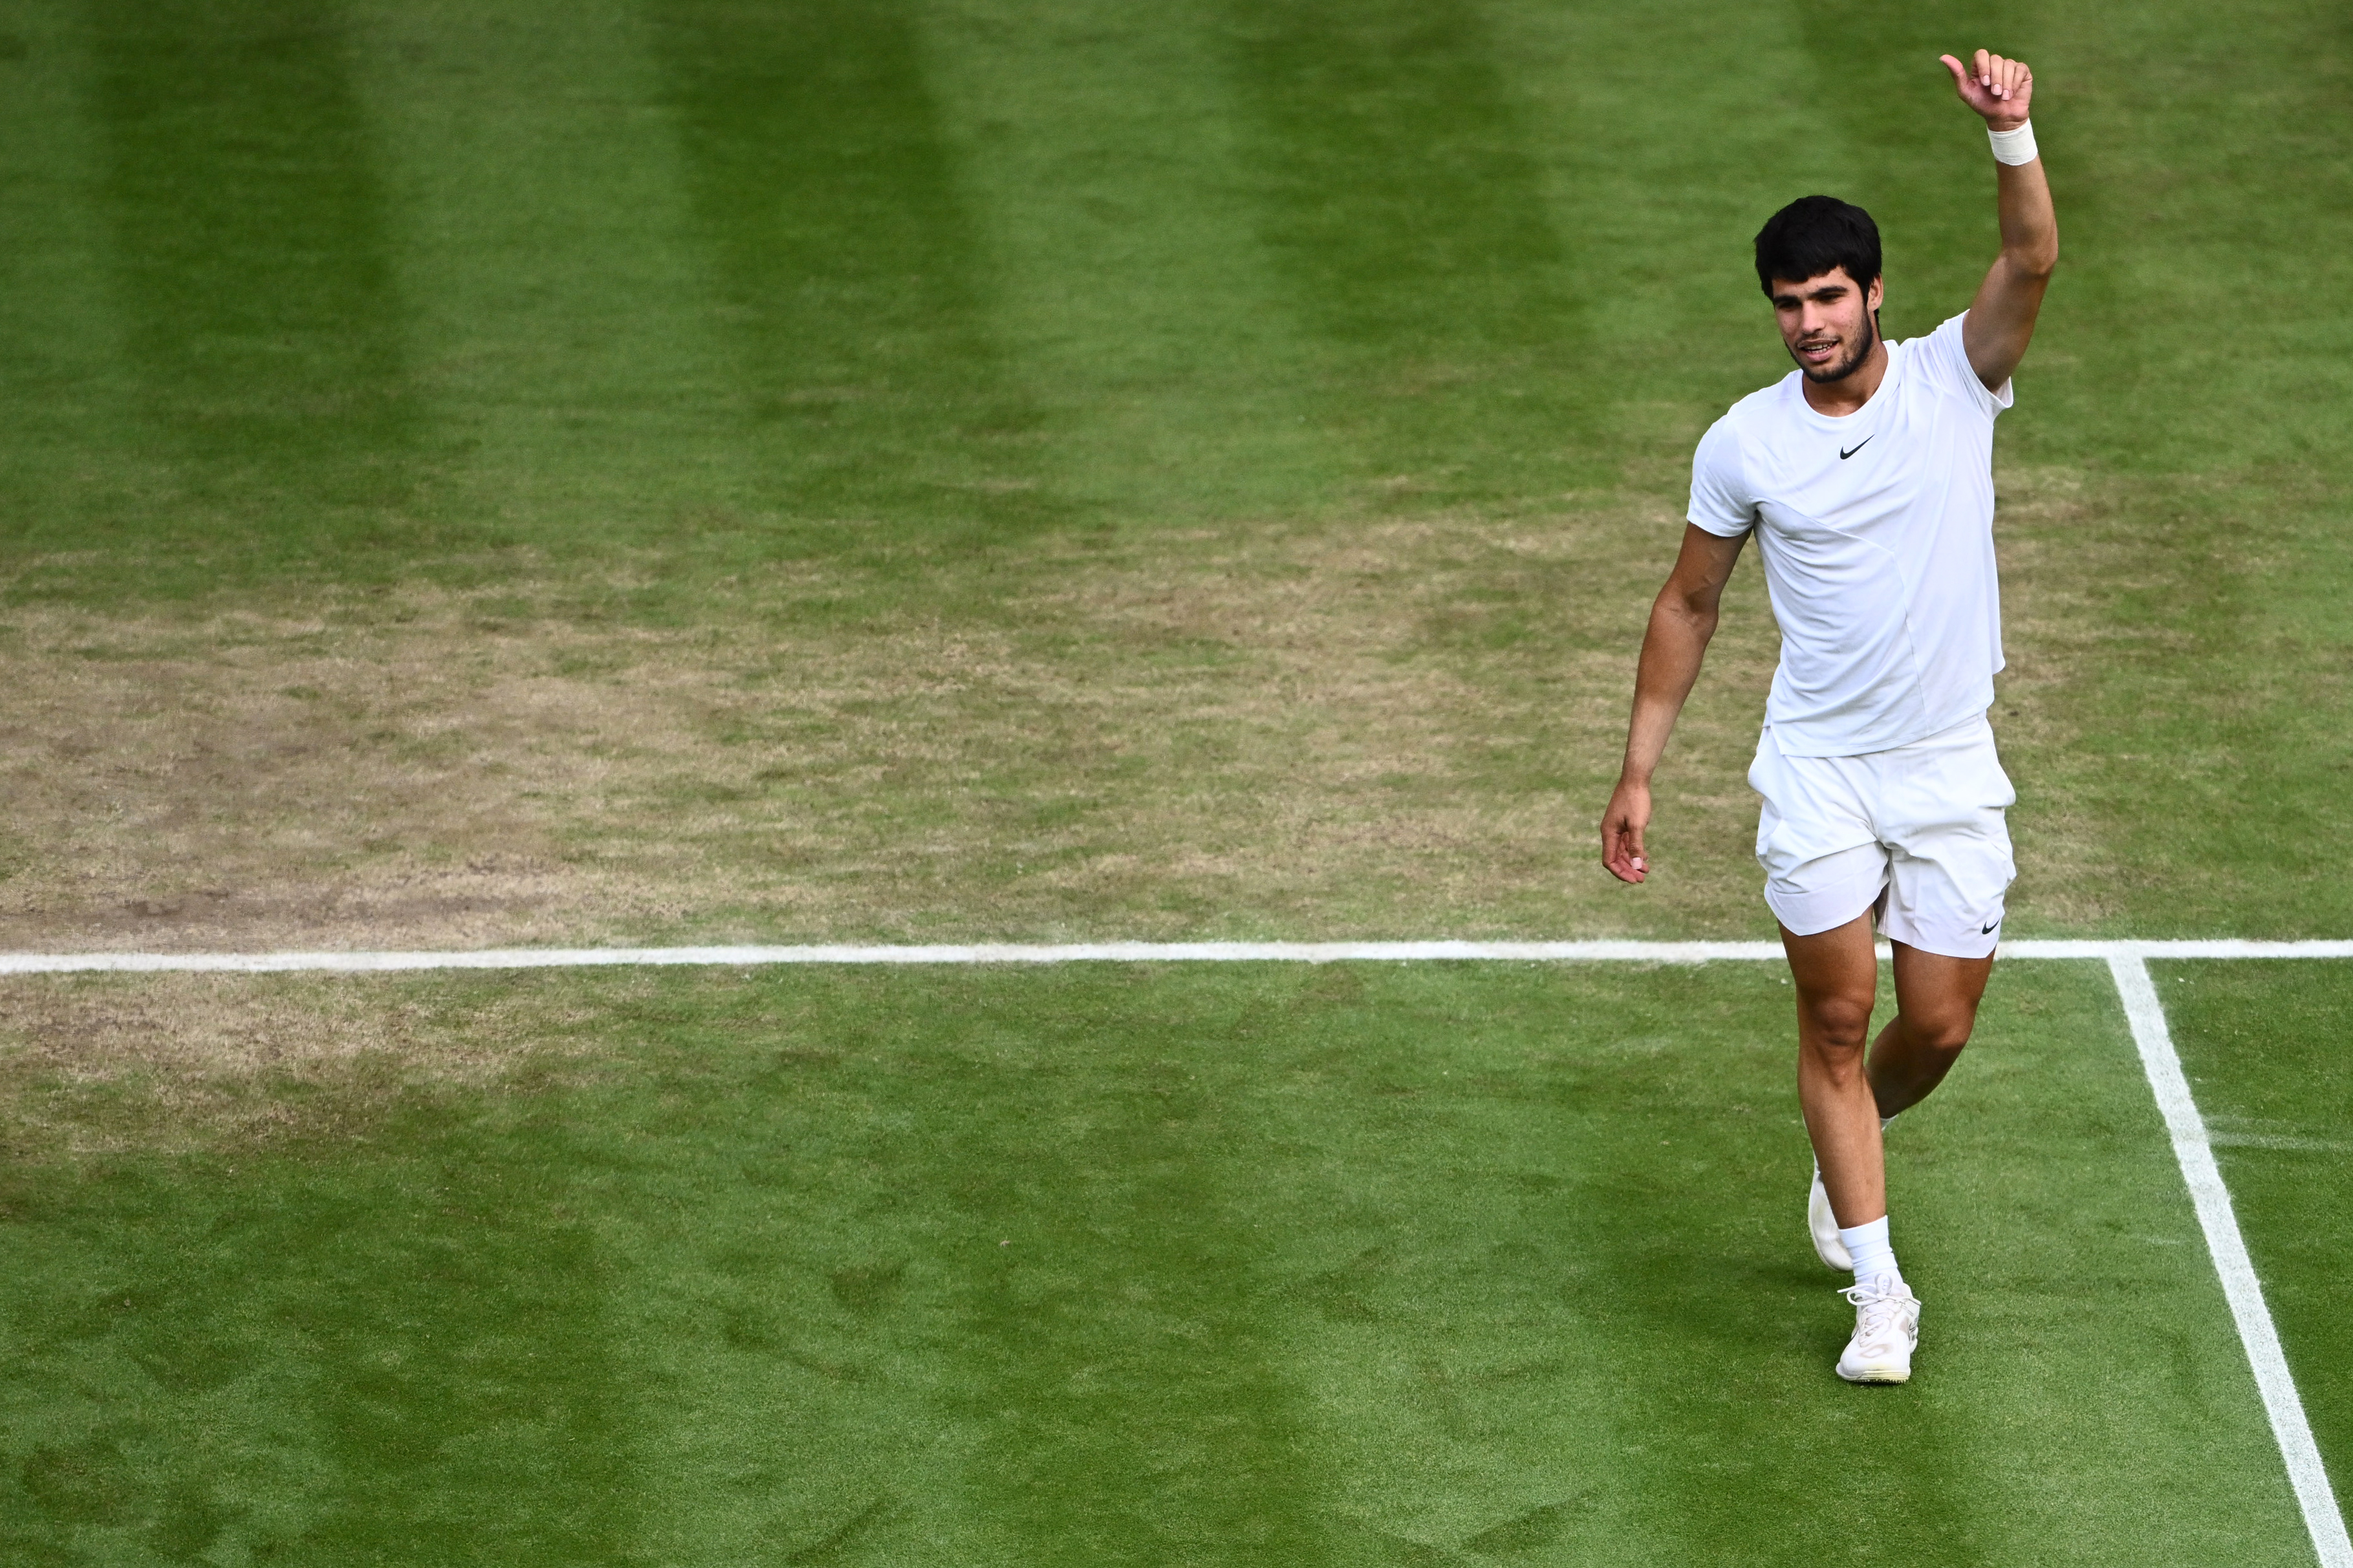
[{"x": 1851, "y": 391}]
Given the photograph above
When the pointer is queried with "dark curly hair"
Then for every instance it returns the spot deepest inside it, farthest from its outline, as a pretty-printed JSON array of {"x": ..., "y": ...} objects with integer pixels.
[{"x": 1811, "y": 236}]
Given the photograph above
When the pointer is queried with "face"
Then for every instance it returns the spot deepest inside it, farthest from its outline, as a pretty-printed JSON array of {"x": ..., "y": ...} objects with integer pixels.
[{"x": 1826, "y": 323}]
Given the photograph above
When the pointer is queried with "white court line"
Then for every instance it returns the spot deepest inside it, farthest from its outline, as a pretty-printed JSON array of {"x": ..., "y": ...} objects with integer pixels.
[
  {"x": 362, "y": 963},
  {"x": 975, "y": 953},
  {"x": 2126, "y": 962},
  {"x": 2195, "y": 1154}
]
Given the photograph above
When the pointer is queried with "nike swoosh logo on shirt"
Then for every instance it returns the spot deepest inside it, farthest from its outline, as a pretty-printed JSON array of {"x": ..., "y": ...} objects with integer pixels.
[
  {"x": 1846, "y": 452},
  {"x": 1987, "y": 930}
]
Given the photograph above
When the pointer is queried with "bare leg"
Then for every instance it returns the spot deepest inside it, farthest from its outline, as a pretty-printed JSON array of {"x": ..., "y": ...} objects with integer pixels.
[
  {"x": 1836, "y": 975},
  {"x": 1935, "y": 1008}
]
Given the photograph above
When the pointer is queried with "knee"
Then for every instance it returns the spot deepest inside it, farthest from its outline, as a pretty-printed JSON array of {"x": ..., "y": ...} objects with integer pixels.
[
  {"x": 1944, "y": 1031},
  {"x": 1837, "y": 1027}
]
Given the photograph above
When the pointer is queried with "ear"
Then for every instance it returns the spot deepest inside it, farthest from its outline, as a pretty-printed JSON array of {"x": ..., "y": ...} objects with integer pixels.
[{"x": 1875, "y": 293}]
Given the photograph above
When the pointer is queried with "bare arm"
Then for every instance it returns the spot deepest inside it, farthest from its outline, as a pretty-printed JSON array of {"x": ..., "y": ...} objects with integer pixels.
[
  {"x": 1683, "y": 619},
  {"x": 2001, "y": 317}
]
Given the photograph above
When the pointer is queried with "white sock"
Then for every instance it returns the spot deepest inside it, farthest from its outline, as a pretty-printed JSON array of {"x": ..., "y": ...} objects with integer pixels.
[{"x": 1869, "y": 1247}]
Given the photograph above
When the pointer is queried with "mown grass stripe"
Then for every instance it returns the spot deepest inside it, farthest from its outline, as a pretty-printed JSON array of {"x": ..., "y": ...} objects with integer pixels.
[{"x": 2195, "y": 1154}]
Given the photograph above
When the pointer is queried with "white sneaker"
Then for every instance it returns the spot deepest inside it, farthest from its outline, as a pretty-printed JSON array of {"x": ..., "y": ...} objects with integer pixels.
[
  {"x": 1886, "y": 1328},
  {"x": 1825, "y": 1227}
]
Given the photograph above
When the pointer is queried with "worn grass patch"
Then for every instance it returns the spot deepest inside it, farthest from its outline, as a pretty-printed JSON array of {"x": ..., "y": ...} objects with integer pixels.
[
  {"x": 93, "y": 1067},
  {"x": 1396, "y": 727},
  {"x": 1389, "y": 727}
]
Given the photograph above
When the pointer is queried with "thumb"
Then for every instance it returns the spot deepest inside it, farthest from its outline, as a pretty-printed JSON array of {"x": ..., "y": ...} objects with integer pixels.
[{"x": 1960, "y": 72}]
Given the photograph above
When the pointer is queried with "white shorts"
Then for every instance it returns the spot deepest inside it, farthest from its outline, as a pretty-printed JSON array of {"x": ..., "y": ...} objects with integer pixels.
[{"x": 1915, "y": 835}]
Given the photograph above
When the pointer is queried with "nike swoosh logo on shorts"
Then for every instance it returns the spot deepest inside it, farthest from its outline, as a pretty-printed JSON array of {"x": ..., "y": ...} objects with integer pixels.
[
  {"x": 1846, "y": 452},
  {"x": 1987, "y": 930}
]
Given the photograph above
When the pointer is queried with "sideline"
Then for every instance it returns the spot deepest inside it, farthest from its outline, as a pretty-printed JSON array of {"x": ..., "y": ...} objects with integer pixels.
[
  {"x": 2195, "y": 1154},
  {"x": 2127, "y": 962}
]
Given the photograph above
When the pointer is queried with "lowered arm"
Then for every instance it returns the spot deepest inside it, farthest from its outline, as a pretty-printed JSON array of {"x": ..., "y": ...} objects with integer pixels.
[{"x": 1683, "y": 619}]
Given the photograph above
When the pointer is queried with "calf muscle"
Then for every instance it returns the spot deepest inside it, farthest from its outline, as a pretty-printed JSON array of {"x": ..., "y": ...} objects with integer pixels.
[{"x": 1844, "y": 1089}]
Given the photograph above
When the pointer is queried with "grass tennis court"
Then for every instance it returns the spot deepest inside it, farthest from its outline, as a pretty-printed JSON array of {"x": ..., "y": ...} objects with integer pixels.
[
  {"x": 1359, "y": 1264},
  {"x": 692, "y": 471},
  {"x": 978, "y": 469}
]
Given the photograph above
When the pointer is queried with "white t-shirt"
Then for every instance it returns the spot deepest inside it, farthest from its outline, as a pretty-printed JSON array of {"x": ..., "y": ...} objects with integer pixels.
[{"x": 1877, "y": 533}]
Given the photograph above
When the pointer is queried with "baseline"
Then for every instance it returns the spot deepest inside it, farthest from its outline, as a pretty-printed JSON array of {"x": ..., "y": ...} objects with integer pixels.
[{"x": 365, "y": 963}]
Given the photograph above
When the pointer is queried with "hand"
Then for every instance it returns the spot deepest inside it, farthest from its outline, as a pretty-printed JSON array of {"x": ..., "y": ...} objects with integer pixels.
[
  {"x": 1622, "y": 831},
  {"x": 1998, "y": 89}
]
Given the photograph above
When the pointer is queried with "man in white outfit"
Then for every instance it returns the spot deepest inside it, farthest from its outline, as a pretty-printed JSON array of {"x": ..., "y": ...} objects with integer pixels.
[{"x": 1866, "y": 476}]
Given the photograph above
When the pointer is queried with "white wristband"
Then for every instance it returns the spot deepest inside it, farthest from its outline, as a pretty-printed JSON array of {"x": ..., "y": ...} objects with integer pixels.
[{"x": 2014, "y": 146}]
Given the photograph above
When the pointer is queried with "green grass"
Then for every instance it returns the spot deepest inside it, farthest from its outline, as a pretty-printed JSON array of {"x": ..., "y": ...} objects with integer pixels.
[
  {"x": 994, "y": 468},
  {"x": 1356, "y": 1265},
  {"x": 2263, "y": 1044},
  {"x": 800, "y": 326}
]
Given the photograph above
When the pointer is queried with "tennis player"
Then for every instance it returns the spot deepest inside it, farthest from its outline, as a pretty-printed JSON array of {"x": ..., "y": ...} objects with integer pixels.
[{"x": 1866, "y": 476}]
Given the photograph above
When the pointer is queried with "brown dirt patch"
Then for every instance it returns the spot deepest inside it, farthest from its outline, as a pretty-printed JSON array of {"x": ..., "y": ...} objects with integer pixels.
[
  {"x": 95, "y": 1063},
  {"x": 1384, "y": 729}
]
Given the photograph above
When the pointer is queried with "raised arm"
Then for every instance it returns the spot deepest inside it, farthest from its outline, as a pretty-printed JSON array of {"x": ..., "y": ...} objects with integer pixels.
[
  {"x": 2001, "y": 317},
  {"x": 1683, "y": 619}
]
